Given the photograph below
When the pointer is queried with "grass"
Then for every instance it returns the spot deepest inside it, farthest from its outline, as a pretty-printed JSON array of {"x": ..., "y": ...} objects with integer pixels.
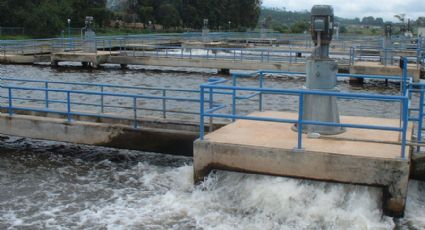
[{"x": 14, "y": 37}]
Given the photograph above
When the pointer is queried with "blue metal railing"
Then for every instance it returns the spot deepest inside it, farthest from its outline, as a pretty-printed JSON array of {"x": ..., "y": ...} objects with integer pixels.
[
  {"x": 43, "y": 101},
  {"x": 45, "y": 96},
  {"x": 219, "y": 85}
]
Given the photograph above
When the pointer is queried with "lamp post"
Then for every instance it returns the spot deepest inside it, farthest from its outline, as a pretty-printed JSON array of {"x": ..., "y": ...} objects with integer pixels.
[
  {"x": 69, "y": 32},
  {"x": 229, "y": 25}
]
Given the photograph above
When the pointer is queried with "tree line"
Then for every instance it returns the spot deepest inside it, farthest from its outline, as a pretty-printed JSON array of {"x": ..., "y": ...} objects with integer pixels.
[
  {"x": 42, "y": 18},
  {"x": 221, "y": 14}
]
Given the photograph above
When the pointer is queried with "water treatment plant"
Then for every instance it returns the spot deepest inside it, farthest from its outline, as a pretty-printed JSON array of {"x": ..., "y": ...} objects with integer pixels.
[{"x": 213, "y": 130}]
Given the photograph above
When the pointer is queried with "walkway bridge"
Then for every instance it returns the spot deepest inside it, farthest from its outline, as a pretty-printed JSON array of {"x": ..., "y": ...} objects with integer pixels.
[
  {"x": 247, "y": 130},
  {"x": 358, "y": 56}
]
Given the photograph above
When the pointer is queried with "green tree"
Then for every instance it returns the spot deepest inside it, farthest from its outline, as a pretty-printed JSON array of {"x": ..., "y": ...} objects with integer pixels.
[
  {"x": 47, "y": 18},
  {"x": 299, "y": 27},
  {"x": 170, "y": 16}
]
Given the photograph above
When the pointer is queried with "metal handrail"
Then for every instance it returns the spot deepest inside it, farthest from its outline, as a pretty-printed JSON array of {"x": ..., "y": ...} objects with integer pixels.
[
  {"x": 218, "y": 84},
  {"x": 98, "y": 94}
]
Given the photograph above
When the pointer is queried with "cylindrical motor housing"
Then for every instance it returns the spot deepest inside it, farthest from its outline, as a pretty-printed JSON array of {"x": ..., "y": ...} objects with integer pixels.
[
  {"x": 321, "y": 75},
  {"x": 322, "y": 19}
]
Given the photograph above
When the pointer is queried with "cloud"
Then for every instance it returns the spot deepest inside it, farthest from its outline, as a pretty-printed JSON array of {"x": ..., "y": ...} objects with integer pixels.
[{"x": 358, "y": 8}]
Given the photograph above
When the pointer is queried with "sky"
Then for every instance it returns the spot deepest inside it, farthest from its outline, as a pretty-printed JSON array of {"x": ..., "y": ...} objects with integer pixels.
[{"x": 358, "y": 8}]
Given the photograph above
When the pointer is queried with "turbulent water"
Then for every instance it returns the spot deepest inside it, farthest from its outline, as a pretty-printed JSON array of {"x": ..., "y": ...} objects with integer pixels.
[{"x": 52, "y": 185}]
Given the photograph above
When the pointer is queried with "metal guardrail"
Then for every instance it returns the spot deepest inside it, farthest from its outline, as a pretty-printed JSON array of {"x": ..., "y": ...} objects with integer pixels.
[
  {"x": 154, "y": 46},
  {"x": 45, "y": 95},
  {"x": 209, "y": 108},
  {"x": 97, "y": 92}
]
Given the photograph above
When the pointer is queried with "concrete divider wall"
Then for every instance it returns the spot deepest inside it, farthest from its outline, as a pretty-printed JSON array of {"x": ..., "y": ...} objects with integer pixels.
[{"x": 169, "y": 141}]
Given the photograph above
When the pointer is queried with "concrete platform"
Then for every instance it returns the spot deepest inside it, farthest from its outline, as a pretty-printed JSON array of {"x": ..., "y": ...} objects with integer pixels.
[
  {"x": 365, "y": 157},
  {"x": 95, "y": 59},
  {"x": 206, "y": 63},
  {"x": 376, "y": 68}
]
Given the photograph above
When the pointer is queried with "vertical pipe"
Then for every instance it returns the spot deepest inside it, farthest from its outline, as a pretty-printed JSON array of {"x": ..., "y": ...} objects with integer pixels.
[
  {"x": 46, "y": 94},
  {"x": 300, "y": 121},
  {"x": 135, "y": 112},
  {"x": 10, "y": 102},
  {"x": 201, "y": 113},
  {"x": 101, "y": 100},
  {"x": 164, "y": 104},
  {"x": 68, "y": 106}
]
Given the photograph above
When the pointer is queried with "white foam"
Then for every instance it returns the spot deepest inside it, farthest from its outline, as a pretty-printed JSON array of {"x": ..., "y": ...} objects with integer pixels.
[{"x": 157, "y": 197}]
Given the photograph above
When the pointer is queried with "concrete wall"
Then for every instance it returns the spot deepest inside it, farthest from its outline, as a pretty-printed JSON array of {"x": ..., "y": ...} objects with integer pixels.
[
  {"x": 390, "y": 174},
  {"x": 178, "y": 142},
  {"x": 206, "y": 63}
]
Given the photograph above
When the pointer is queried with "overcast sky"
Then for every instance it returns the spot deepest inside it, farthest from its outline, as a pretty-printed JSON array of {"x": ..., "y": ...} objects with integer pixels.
[{"x": 358, "y": 8}]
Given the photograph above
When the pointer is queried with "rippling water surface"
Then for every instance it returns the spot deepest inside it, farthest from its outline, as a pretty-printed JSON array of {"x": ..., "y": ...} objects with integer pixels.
[{"x": 52, "y": 185}]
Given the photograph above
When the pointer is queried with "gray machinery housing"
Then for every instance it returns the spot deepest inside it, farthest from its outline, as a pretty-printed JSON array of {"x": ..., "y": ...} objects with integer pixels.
[
  {"x": 321, "y": 75},
  {"x": 89, "y": 44},
  {"x": 205, "y": 31},
  {"x": 387, "y": 55}
]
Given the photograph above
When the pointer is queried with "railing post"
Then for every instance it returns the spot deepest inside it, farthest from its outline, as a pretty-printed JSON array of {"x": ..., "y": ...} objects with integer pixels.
[
  {"x": 68, "y": 106},
  {"x": 300, "y": 122},
  {"x": 135, "y": 112},
  {"x": 290, "y": 57},
  {"x": 234, "y": 96},
  {"x": 405, "y": 124},
  {"x": 421, "y": 114},
  {"x": 211, "y": 105},
  {"x": 134, "y": 50},
  {"x": 164, "y": 104},
  {"x": 404, "y": 76},
  {"x": 46, "y": 94},
  {"x": 201, "y": 113},
  {"x": 260, "y": 105},
  {"x": 10, "y": 102},
  {"x": 102, "y": 109}
]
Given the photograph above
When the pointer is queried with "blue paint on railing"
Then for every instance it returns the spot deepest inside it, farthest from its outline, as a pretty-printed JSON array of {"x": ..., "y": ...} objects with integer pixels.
[{"x": 218, "y": 84}]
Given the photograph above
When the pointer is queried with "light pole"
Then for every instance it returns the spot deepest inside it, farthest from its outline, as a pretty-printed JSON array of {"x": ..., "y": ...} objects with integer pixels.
[
  {"x": 69, "y": 32},
  {"x": 229, "y": 25}
]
